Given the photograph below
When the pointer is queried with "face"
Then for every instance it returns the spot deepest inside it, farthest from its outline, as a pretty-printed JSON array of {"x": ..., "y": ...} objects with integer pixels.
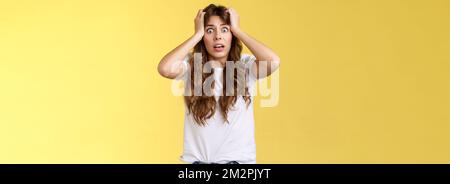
[{"x": 217, "y": 38}]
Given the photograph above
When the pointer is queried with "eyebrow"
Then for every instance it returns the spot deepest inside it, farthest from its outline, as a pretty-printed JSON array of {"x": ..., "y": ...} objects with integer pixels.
[{"x": 210, "y": 25}]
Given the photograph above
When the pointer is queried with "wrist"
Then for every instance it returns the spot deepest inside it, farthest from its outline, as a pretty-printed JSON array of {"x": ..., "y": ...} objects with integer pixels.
[
  {"x": 197, "y": 36},
  {"x": 236, "y": 31}
]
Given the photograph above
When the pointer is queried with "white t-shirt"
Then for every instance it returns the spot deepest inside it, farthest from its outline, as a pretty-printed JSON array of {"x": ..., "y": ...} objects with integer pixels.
[{"x": 219, "y": 141}]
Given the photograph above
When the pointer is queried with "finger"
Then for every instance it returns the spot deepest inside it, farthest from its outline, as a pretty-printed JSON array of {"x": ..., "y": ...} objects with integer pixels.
[
  {"x": 202, "y": 16},
  {"x": 231, "y": 11}
]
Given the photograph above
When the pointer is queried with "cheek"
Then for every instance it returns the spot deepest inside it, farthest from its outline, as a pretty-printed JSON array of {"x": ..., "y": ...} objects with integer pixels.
[
  {"x": 229, "y": 38},
  {"x": 208, "y": 41}
]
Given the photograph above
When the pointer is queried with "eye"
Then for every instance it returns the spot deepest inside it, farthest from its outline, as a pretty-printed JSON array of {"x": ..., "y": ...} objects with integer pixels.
[
  {"x": 224, "y": 30},
  {"x": 209, "y": 30}
]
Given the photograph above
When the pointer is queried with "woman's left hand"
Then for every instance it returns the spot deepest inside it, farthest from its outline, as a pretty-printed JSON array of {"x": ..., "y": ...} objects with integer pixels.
[{"x": 234, "y": 19}]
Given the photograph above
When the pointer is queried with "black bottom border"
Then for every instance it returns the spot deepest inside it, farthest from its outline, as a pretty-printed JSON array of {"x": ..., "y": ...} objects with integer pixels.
[{"x": 220, "y": 173}]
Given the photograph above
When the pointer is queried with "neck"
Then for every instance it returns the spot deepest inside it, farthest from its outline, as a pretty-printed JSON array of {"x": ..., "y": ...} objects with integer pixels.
[{"x": 220, "y": 62}]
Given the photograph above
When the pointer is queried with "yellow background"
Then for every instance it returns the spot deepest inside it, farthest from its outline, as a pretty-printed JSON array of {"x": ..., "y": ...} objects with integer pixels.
[{"x": 361, "y": 81}]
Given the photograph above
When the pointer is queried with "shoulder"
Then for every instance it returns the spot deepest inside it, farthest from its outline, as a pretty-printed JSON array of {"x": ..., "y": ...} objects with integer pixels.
[
  {"x": 247, "y": 58},
  {"x": 187, "y": 57},
  {"x": 249, "y": 61}
]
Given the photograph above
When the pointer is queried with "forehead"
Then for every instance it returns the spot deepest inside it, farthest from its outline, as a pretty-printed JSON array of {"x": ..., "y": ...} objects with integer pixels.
[{"x": 215, "y": 20}]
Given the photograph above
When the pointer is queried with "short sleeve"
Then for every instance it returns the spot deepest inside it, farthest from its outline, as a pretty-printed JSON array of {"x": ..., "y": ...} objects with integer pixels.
[
  {"x": 249, "y": 61},
  {"x": 185, "y": 64}
]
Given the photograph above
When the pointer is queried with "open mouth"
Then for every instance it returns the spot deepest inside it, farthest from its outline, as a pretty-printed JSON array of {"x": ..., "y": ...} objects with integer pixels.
[{"x": 219, "y": 47}]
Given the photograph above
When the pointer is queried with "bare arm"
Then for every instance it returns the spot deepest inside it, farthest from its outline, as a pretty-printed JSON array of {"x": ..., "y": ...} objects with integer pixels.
[
  {"x": 171, "y": 65},
  {"x": 261, "y": 52}
]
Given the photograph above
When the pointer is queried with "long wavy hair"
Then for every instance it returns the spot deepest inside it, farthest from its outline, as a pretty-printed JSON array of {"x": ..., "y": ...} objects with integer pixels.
[{"x": 203, "y": 107}]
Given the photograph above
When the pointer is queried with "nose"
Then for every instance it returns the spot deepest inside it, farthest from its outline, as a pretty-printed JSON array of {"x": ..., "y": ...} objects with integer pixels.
[{"x": 218, "y": 36}]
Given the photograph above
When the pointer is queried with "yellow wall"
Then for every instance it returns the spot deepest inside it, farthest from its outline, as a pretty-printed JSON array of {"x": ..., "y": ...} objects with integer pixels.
[{"x": 360, "y": 81}]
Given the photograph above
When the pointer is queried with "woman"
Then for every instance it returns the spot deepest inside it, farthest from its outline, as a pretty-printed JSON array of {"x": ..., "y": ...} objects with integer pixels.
[{"x": 219, "y": 128}]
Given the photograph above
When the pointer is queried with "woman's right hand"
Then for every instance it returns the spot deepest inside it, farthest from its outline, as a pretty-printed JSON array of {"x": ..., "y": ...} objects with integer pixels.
[{"x": 199, "y": 23}]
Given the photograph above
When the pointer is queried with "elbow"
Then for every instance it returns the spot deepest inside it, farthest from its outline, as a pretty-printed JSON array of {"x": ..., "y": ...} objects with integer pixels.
[
  {"x": 165, "y": 72},
  {"x": 275, "y": 62},
  {"x": 162, "y": 70}
]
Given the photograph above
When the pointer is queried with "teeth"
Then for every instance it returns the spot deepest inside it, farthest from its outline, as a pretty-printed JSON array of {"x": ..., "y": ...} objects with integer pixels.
[{"x": 218, "y": 46}]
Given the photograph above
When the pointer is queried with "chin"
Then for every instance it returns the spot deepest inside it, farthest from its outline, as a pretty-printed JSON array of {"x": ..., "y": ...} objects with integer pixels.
[{"x": 219, "y": 55}]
